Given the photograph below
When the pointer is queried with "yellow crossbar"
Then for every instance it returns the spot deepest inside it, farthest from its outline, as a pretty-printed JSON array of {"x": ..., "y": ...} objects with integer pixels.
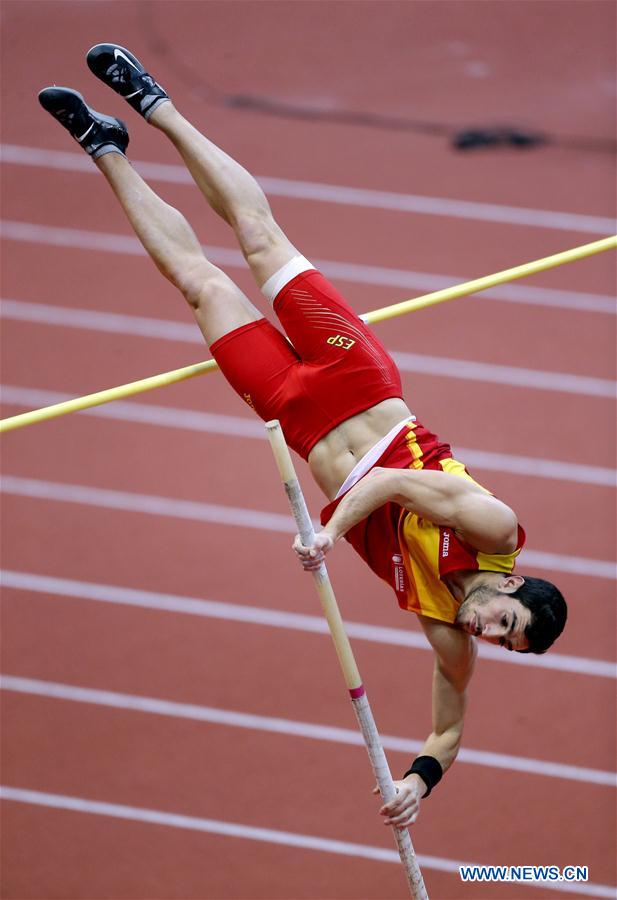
[
  {"x": 489, "y": 281},
  {"x": 378, "y": 315}
]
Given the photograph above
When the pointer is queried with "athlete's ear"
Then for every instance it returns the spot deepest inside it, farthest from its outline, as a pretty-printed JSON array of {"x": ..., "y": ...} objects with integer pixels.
[{"x": 510, "y": 583}]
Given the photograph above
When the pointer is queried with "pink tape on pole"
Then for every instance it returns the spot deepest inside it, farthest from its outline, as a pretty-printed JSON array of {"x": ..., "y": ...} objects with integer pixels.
[{"x": 354, "y": 693}]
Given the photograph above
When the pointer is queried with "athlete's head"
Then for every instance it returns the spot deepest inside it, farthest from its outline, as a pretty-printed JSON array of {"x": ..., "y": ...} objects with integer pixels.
[
  {"x": 548, "y": 611},
  {"x": 524, "y": 614}
]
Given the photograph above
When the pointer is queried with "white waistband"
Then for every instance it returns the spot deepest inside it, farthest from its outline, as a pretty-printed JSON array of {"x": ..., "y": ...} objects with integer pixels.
[
  {"x": 369, "y": 459},
  {"x": 275, "y": 283}
]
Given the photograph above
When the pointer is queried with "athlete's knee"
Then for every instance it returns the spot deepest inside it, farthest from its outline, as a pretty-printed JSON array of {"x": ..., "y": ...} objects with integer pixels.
[
  {"x": 184, "y": 270},
  {"x": 256, "y": 230},
  {"x": 203, "y": 284}
]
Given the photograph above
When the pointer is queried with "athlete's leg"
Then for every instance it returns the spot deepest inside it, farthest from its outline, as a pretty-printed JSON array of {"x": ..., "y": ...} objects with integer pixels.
[
  {"x": 226, "y": 185},
  {"x": 256, "y": 359},
  {"x": 231, "y": 191},
  {"x": 218, "y": 304},
  {"x": 348, "y": 370},
  {"x": 253, "y": 355}
]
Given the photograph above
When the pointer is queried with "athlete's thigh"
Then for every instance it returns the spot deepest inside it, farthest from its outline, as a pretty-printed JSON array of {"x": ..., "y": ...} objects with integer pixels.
[
  {"x": 217, "y": 302},
  {"x": 260, "y": 365}
]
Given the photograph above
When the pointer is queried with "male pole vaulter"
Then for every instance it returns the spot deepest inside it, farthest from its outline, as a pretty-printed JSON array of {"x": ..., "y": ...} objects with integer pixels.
[{"x": 445, "y": 545}]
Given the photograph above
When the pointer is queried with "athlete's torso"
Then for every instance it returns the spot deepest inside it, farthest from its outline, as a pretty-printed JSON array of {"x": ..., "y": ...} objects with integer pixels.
[{"x": 411, "y": 554}]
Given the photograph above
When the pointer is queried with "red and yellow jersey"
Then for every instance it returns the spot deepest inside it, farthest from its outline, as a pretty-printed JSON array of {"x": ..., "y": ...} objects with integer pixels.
[{"x": 410, "y": 553}]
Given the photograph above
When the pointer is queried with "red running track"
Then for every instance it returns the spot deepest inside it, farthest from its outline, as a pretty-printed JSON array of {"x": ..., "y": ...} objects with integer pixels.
[{"x": 170, "y": 732}]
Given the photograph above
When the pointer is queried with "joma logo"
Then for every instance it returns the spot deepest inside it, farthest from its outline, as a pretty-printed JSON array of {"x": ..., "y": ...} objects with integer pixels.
[{"x": 338, "y": 340}]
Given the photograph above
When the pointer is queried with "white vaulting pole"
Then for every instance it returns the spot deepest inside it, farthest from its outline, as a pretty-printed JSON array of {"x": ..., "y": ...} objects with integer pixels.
[{"x": 345, "y": 655}]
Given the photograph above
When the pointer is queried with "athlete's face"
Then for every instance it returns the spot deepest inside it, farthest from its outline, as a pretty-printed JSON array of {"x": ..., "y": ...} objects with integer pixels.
[{"x": 494, "y": 616}]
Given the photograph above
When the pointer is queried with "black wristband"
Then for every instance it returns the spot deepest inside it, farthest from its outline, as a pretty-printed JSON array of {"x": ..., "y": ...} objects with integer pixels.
[{"x": 429, "y": 769}]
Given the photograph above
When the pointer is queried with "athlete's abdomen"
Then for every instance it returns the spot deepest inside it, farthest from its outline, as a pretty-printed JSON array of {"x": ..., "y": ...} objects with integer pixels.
[{"x": 335, "y": 455}]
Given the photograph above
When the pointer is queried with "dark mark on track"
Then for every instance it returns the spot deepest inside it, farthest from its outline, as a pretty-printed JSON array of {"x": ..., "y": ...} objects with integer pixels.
[{"x": 469, "y": 138}]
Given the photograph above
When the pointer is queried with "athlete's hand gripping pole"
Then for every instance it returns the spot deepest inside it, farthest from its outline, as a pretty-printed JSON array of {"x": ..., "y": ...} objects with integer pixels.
[{"x": 345, "y": 655}]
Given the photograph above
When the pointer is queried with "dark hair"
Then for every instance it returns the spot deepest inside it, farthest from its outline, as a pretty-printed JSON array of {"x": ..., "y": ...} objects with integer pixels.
[{"x": 548, "y": 613}]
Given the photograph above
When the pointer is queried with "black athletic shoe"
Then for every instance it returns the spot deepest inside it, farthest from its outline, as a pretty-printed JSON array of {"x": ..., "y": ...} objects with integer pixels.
[
  {"x": 96, "y": 133},
  {"x": 123, "y": 72}
]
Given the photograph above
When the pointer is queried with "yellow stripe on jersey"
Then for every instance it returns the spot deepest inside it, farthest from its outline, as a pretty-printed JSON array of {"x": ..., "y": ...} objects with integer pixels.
[
  {"x": 502, "y": 562},
  {"x": 415, "y": 450}
]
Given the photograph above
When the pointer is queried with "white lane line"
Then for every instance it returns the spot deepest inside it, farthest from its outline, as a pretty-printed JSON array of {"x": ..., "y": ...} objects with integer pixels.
[
  {"x": 531, "y": 466},
  {"x": 275, "y": 618},
  {"x": 440, "y": 366},
  {"x": 424, "y": 282},
  {"x": 333, "y": 193},
  {"x": 265, "y": 835},
  {"x": 152, "y": 504},
  {"x": 469, "y": 370},
  {"x": 94, "y": 320},
  {"x": 239, "y": 426},
  {"x": 293, "y": 728},
  {"x": 379, "y": 276}
]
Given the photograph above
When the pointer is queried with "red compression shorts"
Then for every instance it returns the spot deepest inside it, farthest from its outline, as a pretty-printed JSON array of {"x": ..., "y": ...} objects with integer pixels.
[{"x": 335, "y": 369}]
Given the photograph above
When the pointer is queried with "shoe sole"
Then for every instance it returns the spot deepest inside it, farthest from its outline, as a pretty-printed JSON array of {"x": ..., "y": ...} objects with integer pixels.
[
  {"x": 55, "y": 99},
  {"x": 99, "y": 59},
  {"x": 77, "y": 101}
]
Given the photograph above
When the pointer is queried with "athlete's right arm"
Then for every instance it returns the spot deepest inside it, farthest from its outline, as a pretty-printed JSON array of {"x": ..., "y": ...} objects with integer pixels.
[
  {"x": 375, "y": 489},
  {"x": 455, "y": 656}
]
